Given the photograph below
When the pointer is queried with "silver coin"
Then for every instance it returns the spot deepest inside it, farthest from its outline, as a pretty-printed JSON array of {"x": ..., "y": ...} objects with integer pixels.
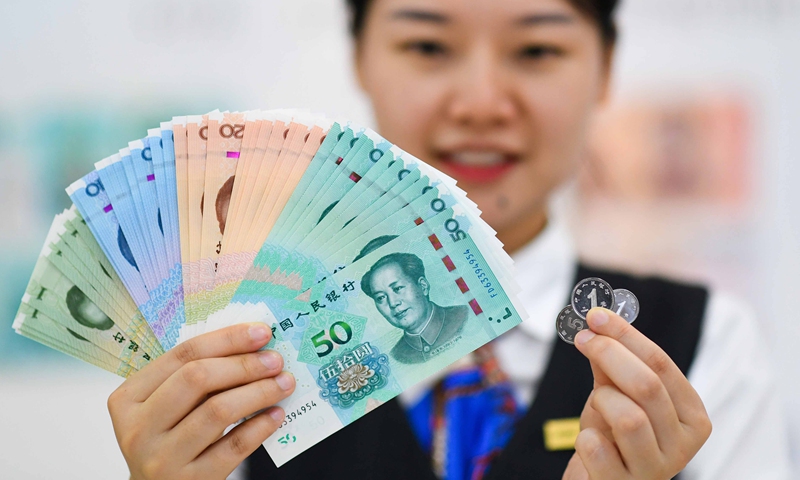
[
  {"x": 590, "y": 293},
  {"x": 568, "y": 324},
  {"x": 627, "y": 304}
]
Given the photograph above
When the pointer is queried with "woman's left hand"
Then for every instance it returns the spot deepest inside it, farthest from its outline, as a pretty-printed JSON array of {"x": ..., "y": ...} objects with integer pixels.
[{"x": 643, "y": 420}]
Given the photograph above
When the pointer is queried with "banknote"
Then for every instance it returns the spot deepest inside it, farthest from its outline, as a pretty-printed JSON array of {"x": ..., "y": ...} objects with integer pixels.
[
  {"x": 225, "y": 135},
  {"x": 160, "y": 142},
  {"x": 258, "y": 131},
  {"x": 197, "y": 136},
  {"x": 305, "y": 136},
  {"x": 330, "y": 154},
  {"x": 378, "y": 181},
  {"x": 112, "y": 176},
  {"x": 37, "y": 326},
  {"x": 143, "y": 182},
  {"x": 75, "y": 247},
  {"x": 162, "y": 150},
  {"x": 257, "y": 128},
  {"x": 373, "y": 269},
  {"x": 366, "y": 150},
  {"x": 180, "y": 142},
  {"x": 158, "y": 307},
  {"x": 138, "y": 165},
  {"x": 140, "y": 226},
  {"x": 64, "y": 258},
  {"x": 95, "y": 207},
  {"x": 399, "y": 314},
  {"x": 278, "y": 135},
  {"x": 53, "y": 293},
  {"x": 359, "y": 189}
]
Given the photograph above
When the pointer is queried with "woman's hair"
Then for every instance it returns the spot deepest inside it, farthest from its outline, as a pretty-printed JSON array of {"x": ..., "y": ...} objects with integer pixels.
[{"x": 600, "y": 11}]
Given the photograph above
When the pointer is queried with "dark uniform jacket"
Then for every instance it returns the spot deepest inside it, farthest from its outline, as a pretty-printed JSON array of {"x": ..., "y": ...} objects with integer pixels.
[{"x": 382, "y": 445}]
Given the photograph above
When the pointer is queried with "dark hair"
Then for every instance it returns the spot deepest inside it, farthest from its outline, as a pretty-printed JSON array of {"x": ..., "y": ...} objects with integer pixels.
[
  {"x": 601, "y": 11},
  {"x": 410, "y": 264}
]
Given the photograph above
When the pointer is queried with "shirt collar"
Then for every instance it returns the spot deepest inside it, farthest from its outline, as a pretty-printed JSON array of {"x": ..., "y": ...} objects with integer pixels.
[{"x": 545, "y": 270}]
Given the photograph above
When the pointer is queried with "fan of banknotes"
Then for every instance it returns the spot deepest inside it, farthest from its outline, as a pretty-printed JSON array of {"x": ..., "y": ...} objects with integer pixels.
[{"x": 372, "y": 269}]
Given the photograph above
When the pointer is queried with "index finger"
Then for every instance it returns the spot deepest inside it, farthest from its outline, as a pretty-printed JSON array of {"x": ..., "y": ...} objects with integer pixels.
[
  {"x": 233, "y": 340},
  {"x": 683, "y": 395}
]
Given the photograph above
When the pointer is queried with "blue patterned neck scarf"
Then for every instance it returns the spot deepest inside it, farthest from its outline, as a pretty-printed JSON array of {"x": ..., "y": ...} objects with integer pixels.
[{"x": 466, "y": 419}]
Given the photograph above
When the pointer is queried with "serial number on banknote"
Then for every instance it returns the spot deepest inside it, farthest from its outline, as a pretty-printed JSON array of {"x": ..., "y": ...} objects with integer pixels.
[
  {"x": 292, "y": 416},
  {"x": 473, "y": 261}
]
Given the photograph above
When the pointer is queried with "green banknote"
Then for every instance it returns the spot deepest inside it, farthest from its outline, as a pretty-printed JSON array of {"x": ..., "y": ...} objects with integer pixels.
[
  {"x": 53, "y": 293},
  {"x": 402, "y": 312},
  {"x": 37, "y": 326},
  {"x": 371, "y": 214},
  {"x": 393, "y": 220},
  {"x": 378, "y": 180},
  {"x": 366, "y": 151},
  {"x": 323, "y": 165},
  {"x": 74, "y": 242}
]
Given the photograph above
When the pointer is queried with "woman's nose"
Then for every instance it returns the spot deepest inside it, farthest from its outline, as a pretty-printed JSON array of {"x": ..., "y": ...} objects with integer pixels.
[{"x": 482, "y": 96}]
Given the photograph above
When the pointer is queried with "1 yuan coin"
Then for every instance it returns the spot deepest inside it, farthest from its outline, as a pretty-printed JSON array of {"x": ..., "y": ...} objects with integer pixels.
[
  {"x": 590, "y": 293},
  {"x": 627, "y": 304}
]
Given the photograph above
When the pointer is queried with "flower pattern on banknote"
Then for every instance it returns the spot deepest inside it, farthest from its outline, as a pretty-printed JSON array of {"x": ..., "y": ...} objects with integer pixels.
[
  {"x": 354, "y": 378},
  {"x": 353, "y": 375}
]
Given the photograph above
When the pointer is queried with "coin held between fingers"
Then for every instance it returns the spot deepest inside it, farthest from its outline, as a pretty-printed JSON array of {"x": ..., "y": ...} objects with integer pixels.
[
  {"x": 590, "y": 293},
  {"x": 568, "y": 324},
  {"x": 627, "y": 304}
]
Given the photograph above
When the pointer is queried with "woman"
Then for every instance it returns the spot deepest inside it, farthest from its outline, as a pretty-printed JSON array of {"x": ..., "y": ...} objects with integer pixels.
[{"x": 499, "y": 94}]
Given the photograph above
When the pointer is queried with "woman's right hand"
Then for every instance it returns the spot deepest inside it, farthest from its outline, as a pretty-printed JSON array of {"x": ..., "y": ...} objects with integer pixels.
[{"x": 170, "y": 416}]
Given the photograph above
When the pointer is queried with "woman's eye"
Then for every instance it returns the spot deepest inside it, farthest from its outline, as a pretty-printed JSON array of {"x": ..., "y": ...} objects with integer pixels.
[
  {"x": 426, "y": 48},
  {"x": 539, "y": 51}
]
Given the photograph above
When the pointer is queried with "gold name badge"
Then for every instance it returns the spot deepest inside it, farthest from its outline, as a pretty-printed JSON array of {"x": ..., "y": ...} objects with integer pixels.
[{"x": 560, "y": 433}]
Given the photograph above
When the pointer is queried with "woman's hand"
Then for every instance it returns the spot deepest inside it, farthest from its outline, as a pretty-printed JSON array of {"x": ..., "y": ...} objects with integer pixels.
[
  {"x": 170, "y": 416},
  {"x": 643, "y": 420}
]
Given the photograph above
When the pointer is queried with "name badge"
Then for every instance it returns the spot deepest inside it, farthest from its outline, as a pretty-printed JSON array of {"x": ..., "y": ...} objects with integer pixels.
[{"x": 560, "y": 433}]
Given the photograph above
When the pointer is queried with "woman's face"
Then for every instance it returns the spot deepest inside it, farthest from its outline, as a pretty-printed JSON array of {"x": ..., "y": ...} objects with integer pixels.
[{"x": 496, "y": 93}]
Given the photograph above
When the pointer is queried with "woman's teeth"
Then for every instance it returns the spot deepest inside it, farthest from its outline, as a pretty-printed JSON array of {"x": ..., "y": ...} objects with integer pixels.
[{"x": 478, "y": 159}]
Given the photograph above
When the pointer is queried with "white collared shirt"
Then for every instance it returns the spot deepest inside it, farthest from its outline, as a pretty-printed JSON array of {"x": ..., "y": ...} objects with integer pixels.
[{"x": 731, "y": 370}]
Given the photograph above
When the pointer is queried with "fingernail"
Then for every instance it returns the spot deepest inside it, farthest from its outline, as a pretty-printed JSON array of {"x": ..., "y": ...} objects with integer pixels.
[
  {"x": 584, "y": 336},
  {"x": 285, "y": 380},
  {"x": 598, "y": 317},
  {"x": 270, "y": 359},
  {"x": 277, "y": 414},
  {"x": 259, "y": 332}
]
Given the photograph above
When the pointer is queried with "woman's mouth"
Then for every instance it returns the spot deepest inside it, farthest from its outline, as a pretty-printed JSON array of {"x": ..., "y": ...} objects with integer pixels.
[{"x": 477, "y": 166}]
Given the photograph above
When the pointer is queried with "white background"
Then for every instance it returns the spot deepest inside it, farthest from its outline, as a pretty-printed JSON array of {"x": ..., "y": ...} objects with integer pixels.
[{"x": 295, "y": 53}]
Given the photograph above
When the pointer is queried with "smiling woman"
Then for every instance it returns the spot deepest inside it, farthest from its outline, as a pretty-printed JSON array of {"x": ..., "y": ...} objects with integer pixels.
[{"x": 500, "y": 94}]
